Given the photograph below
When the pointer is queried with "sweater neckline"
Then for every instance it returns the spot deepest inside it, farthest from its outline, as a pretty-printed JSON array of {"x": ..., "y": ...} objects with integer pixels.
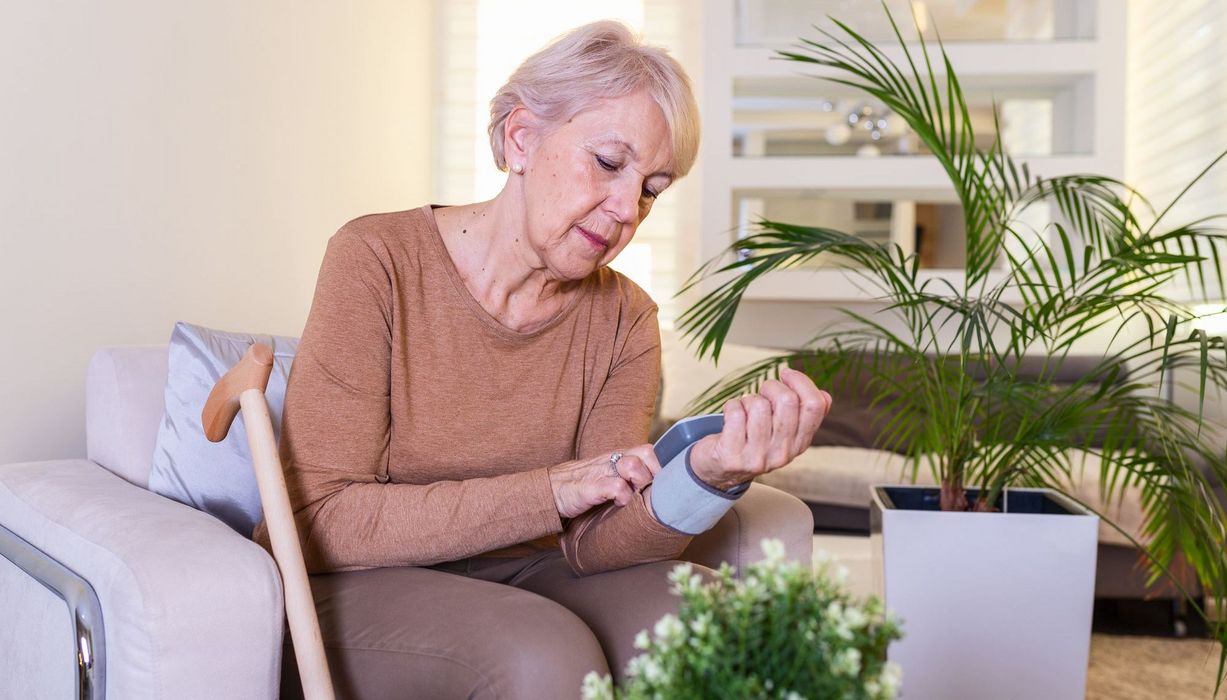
[{"x": 475, "y": 307}]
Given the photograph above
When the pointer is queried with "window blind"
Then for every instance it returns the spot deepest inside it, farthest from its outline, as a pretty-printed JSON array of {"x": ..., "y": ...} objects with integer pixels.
[{"x": 1176, "y": 97}]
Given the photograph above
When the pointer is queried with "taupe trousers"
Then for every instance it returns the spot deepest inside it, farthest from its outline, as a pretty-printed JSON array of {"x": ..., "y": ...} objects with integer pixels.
[{"x": 517, "y": 628}]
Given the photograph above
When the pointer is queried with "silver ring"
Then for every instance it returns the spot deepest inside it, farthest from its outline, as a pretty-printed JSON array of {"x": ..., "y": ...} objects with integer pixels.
[{"x": 613, "y": 462}]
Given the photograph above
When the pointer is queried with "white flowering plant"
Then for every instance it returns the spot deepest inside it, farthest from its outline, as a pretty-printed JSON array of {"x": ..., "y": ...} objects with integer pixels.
[{"x": 780, "y": 632}]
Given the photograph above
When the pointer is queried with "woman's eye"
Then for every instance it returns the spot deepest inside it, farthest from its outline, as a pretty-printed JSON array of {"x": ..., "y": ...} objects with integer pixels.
[
  {"x": 649, "y": 194},
  {"x": 606, "y": 164}
]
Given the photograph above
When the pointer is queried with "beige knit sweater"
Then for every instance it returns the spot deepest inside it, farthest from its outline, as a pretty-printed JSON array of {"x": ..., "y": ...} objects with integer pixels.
[{"x": 417, "y": 429}]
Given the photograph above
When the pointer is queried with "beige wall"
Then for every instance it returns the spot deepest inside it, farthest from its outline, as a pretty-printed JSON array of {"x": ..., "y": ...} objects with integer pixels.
[{"x": 175, "y": 160}]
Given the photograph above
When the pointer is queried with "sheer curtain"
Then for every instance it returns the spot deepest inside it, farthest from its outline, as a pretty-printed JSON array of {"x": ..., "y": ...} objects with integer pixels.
[
  {"x": 1176, "y": 124},
  {"x": 1176, "y": 120}
]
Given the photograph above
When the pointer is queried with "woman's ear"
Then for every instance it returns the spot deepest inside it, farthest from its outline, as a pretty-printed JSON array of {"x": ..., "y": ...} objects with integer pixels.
[{"x": 520, "y": 130}]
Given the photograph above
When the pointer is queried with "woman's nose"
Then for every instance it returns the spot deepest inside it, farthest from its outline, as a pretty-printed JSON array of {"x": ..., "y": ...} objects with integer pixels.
[{"x": 623, "y": 201}]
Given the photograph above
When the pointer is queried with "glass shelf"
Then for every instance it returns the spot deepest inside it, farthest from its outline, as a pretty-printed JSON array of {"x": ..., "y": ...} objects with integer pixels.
[
  {"x": 804, "y": 116},
  {"x": 773, "y": 23},
  {"x": 796, "y": 148},
  {"x": 933, "y": 229}
]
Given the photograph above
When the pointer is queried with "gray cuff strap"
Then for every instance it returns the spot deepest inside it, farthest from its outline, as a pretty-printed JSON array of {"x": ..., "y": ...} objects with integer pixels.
[{"x": 683, "y": 502}]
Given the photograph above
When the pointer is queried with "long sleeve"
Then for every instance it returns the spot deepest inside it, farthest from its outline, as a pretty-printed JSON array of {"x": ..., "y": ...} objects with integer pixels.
[
  {"x": 336, "y": 431},
  {"x": 612, "y": 537}
]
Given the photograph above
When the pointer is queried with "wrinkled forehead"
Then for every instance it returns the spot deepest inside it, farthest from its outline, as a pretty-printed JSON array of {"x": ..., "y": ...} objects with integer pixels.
[
  {"x": 651, "y": 159},
  {"x": 634, "y": 128}
]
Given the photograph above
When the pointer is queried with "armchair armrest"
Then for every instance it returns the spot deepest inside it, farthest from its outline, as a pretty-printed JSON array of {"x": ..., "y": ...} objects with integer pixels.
[
  {"x": 760, "y": 513},
  {"x": 190, "y": 608}
]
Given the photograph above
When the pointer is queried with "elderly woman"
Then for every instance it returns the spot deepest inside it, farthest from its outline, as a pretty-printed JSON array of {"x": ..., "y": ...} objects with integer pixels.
[{"x": 465, "y": 421}]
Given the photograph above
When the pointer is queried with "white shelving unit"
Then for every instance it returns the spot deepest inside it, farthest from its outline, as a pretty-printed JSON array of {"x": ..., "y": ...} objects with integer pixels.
[{"x": 1073, "y": 87}]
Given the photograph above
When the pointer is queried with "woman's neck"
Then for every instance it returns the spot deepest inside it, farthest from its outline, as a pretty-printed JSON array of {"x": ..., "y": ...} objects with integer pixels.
[{"x": 489, "y": 245}]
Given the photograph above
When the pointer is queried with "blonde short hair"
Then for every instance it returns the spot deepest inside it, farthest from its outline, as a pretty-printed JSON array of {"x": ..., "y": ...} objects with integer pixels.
[{"x": 599, "y": 61}]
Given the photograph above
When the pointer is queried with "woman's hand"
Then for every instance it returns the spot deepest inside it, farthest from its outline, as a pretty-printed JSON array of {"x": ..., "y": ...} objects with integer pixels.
[
  {"x": 762, "y": 432},
  {"x": 584, "y": 483}
]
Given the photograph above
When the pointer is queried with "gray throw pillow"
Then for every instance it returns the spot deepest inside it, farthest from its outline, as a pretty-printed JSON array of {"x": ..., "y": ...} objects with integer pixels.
[{"x": 214, "y": 477}]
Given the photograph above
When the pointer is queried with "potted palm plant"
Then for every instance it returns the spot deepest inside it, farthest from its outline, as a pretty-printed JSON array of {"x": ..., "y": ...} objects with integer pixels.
[{"x": 944, "y": 359}]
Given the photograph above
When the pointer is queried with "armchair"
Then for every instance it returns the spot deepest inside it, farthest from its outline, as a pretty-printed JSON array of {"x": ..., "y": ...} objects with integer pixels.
[{"x": 107, "y": 588}]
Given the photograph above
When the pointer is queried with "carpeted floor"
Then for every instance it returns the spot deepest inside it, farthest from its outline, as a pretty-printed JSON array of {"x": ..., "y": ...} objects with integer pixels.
[{"x": 1151, "y": 668}]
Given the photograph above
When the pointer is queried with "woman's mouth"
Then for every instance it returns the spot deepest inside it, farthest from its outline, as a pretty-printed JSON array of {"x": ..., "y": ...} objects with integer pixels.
[{"x": 598, "y": 243}]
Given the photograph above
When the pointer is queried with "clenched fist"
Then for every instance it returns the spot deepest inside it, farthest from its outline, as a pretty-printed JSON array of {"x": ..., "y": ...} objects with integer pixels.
[{"x": 762, "y": 432}]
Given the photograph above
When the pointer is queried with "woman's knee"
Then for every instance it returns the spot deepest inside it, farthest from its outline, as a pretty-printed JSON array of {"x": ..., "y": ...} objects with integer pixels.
[
  {"x": 614, "y": 605},
  {"x": 548, "y": 652},
  {"x": 420, "y": 633}
]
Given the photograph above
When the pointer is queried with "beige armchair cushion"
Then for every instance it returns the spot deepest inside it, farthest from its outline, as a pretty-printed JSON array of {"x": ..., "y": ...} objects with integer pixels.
[{"x": 123, "y": 406}]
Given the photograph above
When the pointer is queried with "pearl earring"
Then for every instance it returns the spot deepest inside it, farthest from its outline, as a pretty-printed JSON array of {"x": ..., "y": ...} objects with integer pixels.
[{"x": 517, "y": 168}]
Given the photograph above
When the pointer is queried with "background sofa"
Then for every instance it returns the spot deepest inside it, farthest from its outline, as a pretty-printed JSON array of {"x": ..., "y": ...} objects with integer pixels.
[{"x": 833, "y": 476}]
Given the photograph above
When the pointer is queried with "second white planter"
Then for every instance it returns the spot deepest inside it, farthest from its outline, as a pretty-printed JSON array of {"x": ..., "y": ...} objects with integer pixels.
[{"x": 993, "y": 605}]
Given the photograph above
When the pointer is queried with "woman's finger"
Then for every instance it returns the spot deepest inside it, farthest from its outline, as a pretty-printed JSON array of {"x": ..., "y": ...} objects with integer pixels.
[
  {"x": 758, "y": 433},
  {"x": 632, "y": 469},
  {"x": 815, "y": 404},
  {"x": 617, "y": 490},
  {"x": 647, "y": 454},
  {"x": 601, "y": 468},
  {"x": 733, "y": 434},
  {"x": 784, "y": 417}
]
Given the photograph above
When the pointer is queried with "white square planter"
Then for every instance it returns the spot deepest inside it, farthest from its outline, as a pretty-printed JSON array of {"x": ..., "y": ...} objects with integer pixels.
[{"x": 993, "y": 605}]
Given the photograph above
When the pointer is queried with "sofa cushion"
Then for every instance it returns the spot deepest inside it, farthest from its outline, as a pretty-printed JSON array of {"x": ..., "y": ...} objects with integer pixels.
[
  {"x": 863, "y": 411},
  {"x": 124, "y": 394},
  {"x": 214, "y": 477}
]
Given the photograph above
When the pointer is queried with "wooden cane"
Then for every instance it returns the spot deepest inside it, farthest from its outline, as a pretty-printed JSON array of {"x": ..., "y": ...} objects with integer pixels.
[{"x": 243, "y": 387}]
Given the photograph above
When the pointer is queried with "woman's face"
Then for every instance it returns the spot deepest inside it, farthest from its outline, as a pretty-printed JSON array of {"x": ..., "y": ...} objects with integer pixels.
[{"x": 589, "y": 182}]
